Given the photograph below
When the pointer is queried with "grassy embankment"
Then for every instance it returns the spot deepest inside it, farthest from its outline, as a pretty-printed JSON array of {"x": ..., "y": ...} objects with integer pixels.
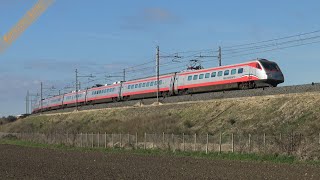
[{"x": 299, "y": 113}]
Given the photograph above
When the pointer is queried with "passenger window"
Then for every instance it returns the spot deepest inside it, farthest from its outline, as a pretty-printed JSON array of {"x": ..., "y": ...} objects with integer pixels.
[
  {"x": 226, "y": 72},
  {"x": 147, "y": 85},
  {"x": 233, "y": 71},
  {"x": 129, "y": 87},
  {"x": 220, "y": 73},
  {"x": 207, "y": 75},
  {"x": 189, "y": 78},
  {"x": 195, "y": 77},
  {"x": 155, "y": 83},
  {"x": 160, "y": 82},
  {"x": 201, "y": 76},
  {"x": 151, "y": 84},
  {"x": 240, "y": 70},
  {"x": 144, "y": 85},
  {"x": 213, "y": 74},
  {"x": 140, "y": 85},
  {"x": 136, "y": 86}
]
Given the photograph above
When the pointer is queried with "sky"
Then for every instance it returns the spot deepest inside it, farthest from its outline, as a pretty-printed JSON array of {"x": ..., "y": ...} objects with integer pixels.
[{"x": 102, "y": 37}]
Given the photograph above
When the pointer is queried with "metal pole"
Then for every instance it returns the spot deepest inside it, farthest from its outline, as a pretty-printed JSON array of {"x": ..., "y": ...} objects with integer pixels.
[
  {"x": 41, "y": 96},
  {"x": 219, "y": 56},
  {"x": 124, "y": 74},
  {"x": 157, "y": 64},
  {"x": 76, "y": 89},
  {"x": 27, "y": 103}
]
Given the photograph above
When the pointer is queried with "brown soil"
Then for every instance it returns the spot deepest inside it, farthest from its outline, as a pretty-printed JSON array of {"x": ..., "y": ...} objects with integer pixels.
[{"x": 35, "y": 163}]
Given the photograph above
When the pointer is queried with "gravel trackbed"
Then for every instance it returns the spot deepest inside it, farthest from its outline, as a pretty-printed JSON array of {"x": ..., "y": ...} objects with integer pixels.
[{"x": 18, "y": 162}]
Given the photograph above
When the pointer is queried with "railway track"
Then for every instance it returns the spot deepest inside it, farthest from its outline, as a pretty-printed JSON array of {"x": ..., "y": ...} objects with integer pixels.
[{"x": 202, "y": 96}]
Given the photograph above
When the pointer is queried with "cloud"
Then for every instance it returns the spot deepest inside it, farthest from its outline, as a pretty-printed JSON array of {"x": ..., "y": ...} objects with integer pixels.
[{"x": 148, "y": 17}]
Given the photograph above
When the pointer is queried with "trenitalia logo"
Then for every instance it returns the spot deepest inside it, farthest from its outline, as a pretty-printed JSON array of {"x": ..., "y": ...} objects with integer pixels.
[{"x": 24, "y": 23}]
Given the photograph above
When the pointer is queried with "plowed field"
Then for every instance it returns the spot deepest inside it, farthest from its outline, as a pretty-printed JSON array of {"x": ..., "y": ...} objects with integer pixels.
[{"x": 18, "y": 162}]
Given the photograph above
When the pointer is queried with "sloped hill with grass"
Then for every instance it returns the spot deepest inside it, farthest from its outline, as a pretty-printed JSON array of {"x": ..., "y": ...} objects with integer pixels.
[{"x": 269, "y": 114}]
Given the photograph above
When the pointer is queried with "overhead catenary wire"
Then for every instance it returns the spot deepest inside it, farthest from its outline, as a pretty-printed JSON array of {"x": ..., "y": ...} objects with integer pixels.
[{"x": 176, "y": 64}]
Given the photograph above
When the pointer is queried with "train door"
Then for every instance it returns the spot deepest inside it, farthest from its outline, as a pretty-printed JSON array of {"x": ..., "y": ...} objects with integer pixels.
[
  {"x": 176, "y": 83},
  {"x": 172, "y": 84},
  {"x": 252, "y": 72},
  {"x": 120, "y": 90}
]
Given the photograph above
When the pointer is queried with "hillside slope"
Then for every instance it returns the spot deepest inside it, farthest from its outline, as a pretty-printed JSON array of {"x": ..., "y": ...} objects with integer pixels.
[{"x": 269, "y": 114}]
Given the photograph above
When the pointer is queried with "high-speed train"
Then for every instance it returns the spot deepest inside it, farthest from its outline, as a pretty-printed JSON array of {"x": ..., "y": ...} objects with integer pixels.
[{"x": 247, "y": 75}]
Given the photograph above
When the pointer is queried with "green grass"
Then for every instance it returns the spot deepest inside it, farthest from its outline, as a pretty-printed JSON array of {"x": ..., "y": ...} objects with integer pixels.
[{"x": 211, "y": 155}]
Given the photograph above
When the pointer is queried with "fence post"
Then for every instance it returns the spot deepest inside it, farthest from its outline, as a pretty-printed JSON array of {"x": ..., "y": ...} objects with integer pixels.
[
  {"x": 128, "y": 139},
  {"x": 86, "y": 139},
  {"x": 145, "y": 140},
  {"x": 105, "y": 139},
  {"x": 207, "y": 143},
  {"x": 220, "y": 142},
  {"x": 163, "y": 138},
  {"x": 112, "y": 140},
  {"x": 264, "y": 141},
  {"x": 81, "y": 140},
  {"x": 136, "y": 140},
  {"x": 183, "y": 142},
  {"x": 195, "y": 142},
  {"x": 249, "y": 143},
  {"x": 153, "y": 135},
  {"x": 92, "y": 144},
  {"x": 98, "y": 139},
  {"x": 232, "y": 141},
  {"x": 120, "y": 140},
  {"x": 67, "y": 138},
  {"x": 173, "y": 145}
]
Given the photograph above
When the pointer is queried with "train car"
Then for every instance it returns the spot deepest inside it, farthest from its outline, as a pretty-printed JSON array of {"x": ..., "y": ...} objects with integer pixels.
[
  {"x": 108, "y": 93},
  {"x": 258, "y": 73},
  {"x": 147, "y": 87},
  {"x": 55, "y": 102},
  {"x": 70, "y": 100}
]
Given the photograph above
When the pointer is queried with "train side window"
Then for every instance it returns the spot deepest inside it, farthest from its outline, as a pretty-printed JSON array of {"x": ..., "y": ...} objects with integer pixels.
[
  {"x": 135, "y": 86},
  {"x": 129, "y": 86},
  {"x": 155, "y": 83},
  {"x": 189, "y": 78},
  {"x": 201, "y": 76},
  {"x": 226, "y": 72},
  {"x": 92, "y": 92},
  {"x": 148, "y": 83},
  {"x": 195, "y": 77},
  {"x": 240, "y": 70},
  {"x": 140, "y": 85},
  {"x": 220, "y": 73},
  {"x": 160, "y": 82},
  {"x": 151, "y": 84},
  {"x": 207, "y": 75},
  {"x": 144, "y": 85},
  {"x": 213, "y": 74},
  {"x": 233, "y": 71}
]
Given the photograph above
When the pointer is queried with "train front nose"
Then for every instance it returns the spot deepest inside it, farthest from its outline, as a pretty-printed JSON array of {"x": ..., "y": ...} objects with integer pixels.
[{"x": 275, "y": 78}]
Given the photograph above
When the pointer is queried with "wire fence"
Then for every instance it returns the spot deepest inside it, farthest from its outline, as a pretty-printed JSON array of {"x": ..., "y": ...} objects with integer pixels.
[{"x": 289, "y": 144}]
